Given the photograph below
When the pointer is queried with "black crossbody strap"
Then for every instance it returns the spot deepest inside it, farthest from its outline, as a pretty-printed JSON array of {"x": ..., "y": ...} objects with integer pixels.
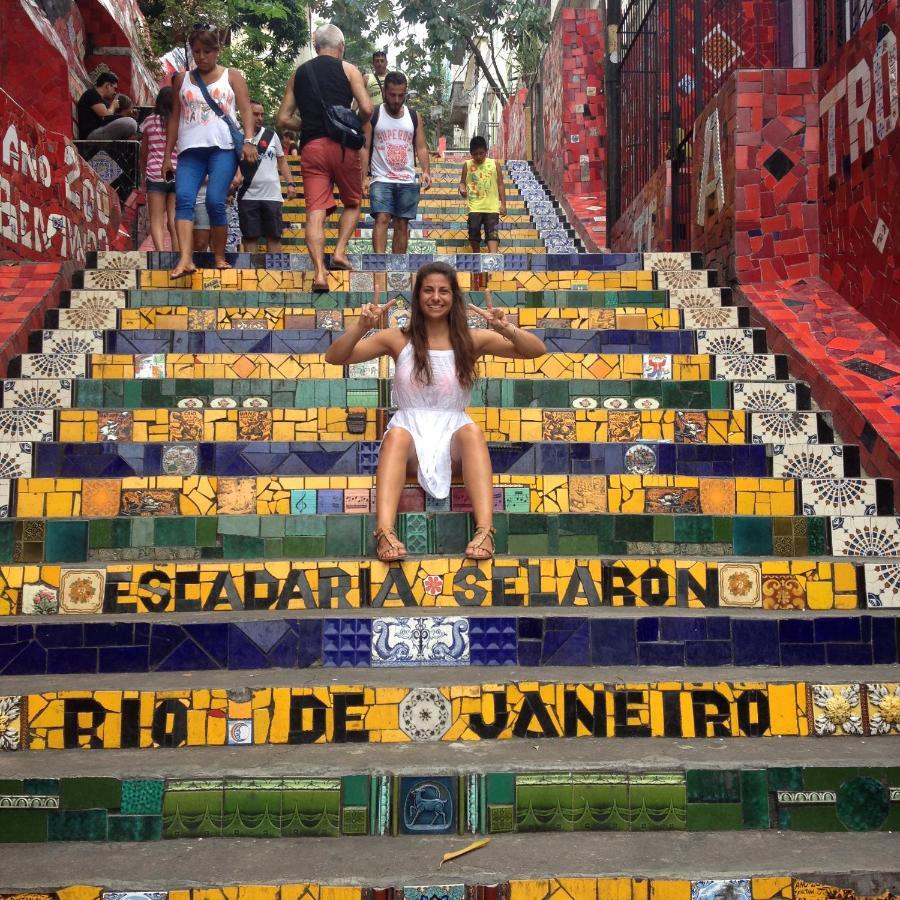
[
  {"x": 315, "y": 84},
  {"x": 264, "y": 140}
]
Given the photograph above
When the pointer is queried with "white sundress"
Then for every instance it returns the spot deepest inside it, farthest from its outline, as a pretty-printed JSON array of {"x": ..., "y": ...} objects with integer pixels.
[{"x": 431, "y": 413}]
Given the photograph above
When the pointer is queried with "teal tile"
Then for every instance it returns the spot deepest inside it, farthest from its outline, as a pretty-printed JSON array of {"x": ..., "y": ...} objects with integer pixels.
[
  {"x": 755, "y": 799},
  {"x": 77, "y": 825},
  {"x": 142, "y": 796},
  {"x": 66, "y": 541},
  {"x": 713, "y": 786},
  {"x": 135, "y": 828}
]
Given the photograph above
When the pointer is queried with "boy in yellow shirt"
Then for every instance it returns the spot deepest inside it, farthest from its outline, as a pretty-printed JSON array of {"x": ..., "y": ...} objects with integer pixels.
[{"x": 481, "y": 183}]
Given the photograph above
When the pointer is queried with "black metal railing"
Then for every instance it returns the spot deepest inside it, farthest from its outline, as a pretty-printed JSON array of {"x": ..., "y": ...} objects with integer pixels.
[{"x": 674, "y": 56}]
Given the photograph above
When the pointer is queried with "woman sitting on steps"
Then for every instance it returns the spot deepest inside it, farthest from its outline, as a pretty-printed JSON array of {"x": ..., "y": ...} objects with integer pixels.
[{"x": 431, "y": 435}]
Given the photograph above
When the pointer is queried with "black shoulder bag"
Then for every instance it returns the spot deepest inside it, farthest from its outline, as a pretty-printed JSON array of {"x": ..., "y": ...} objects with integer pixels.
[
  {"x": 342, "y": 125},
  {"x": 252, "y": 168}
]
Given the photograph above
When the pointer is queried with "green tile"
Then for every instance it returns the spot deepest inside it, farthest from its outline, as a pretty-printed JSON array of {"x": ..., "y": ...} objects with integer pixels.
[
  {"x": 344, "y": 536},
  {"x": 578, "y": 545},
  {"x": 207, "y": 531},
  {"x": 863, "y": 804},
  {"x": 826, "y": 778},
  {"x": 192, "y": 813},
  {"x": 752, "y": 536},
  {"x": 312, "y": 813},
  {"x": 714, "y": 817},
  {"x": 755, "y": 799},
  {"x": 253, "y": 812},
  {"x": 135, "y": 828},
  {"x": 500, "y": 788},
  {"x": 23, "y": 826},
  {"x": 529, "y": 544},
  {"x": 174, "y": 531},
  {"x": 355, "y": 790},
  {"x": 90, "y": 793},
  {"x": 713, "y": 786},
  {"x": 11, "y": 786},
  {"x": 40, "y": 786},
  {"x": 816, "y": 817},
  {"x": 601, "y": 806},
  {"x": 303, "y": 547},
  {"x": 544, "y": 806},
  {"x": 142, "y": 796},
  {"x": 66, "y": 541},
  {"x": 657, "y": 806},
  {"x": 77, "y": 825},
  {"x": 786, "y": 779}
]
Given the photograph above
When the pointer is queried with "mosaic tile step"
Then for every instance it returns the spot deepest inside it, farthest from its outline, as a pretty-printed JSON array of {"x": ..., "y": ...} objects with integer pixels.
[
  {"x": 412, "y": 642},
  {"x": 145, "y": 808},
  {"x": 183, "y": 318},
  {"x": 440, "y": 240},
  {"x": 464, "y": 262},
  {"x": 250, "y": 537},
  {"x": 70, "y": 426},
  {"x": 625, "y": 888},
  {"x": 113, "y": 460},
  {"x": 626, "y": 366},
  {"x": 97, "y": 304},
  {"x": 175, "y": 495},
  {"x": 318, "y": 340},
  {"x": 200, "y": 712},
  {"x": 187, "y": 393},
  {"x": 271, "y": 279},
  {"x": 278, "y": 586}
]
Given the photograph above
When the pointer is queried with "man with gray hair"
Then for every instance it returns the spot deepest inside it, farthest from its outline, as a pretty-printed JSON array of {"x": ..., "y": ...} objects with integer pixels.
[{"x": 318, "y": 84}]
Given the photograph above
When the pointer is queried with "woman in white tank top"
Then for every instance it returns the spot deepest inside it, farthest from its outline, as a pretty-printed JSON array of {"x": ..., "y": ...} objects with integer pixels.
[
  {"x": 436, "y": 365},
  {"x": 205, "y": 145}
]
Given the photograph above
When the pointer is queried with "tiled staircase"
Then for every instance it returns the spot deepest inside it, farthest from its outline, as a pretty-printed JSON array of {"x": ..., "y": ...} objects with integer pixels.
[{"x": 687, "y": 559}]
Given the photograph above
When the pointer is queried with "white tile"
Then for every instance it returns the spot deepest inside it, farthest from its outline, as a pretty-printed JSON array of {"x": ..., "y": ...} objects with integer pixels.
[
  {"x": 658, "y": 261},
  {"x": 725, "y": 340},
  {"x": 110, "y": 279},
  {"x": 701, "y": 297},
  {"x": 860, "y": 536},
  {"x": 15, "y": 459},
  {"x": 121, "y": 259},
  {"x": 71, "y": 341},
  {"x": 784, "y": 428},
  {"x": 54, "y": 365},
  {"x": 882, "y": 584},
  {"x": 750, "y": 367},
  {"x": 37, "y": 393},
  {"x": 26, "y": 425},
  {"x": 839, "y": 496},
  {"x": 679, "y": 279},
  {"x": 769, "y": 396},
  {"x": 807, "y": 460},
  {"x": 711, "y": 317},
  {"x": 420, "y": 641}
]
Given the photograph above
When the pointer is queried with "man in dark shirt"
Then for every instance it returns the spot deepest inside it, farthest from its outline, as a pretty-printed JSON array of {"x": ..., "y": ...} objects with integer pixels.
[
  {"x": 325, "y": 163},
  {"x": 98, "y": 112}
]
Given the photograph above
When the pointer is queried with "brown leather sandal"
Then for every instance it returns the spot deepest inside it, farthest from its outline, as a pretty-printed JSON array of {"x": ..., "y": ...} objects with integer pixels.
[
  {"x": 476, "y": 548},
  {"x": 388, "y": 547}
]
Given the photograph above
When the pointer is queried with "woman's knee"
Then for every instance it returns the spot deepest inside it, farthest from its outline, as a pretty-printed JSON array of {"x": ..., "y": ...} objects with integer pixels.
[{"x": 397, "y": 441}]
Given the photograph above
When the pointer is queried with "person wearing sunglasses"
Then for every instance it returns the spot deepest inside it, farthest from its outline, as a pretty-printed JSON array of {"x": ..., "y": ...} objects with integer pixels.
[{"x": 208, "y": 141}]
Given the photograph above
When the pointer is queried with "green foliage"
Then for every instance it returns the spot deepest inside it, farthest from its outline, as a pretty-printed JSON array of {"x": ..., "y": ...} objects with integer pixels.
[
  {"x": 272, "y": 30},
  {"x": 265, "y": 80}
]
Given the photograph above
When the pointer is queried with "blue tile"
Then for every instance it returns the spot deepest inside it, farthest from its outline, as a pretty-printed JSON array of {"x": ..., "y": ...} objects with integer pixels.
[
  {"x": 123, "y": 659},
  {"x": 566, "y": 642},
  {"x": 708, "y": 653},
  {"x": 884, "y": 639},
  {"x": 71, "y": 661},
  {"x": 681, "y": 629},
  {"x": 529, "y": 653},
  {"x": 188, "y": 656},
  {"x": 613, "y": 642},
  {"x": 718, "y": 628},
  {"x": 755, "y": 642},
  {"x": 492, "y": 641},
  {"x": 648, "y": 629},
  {"x": 848, "y": 654},
  {"x": 796, "y": 631},
  {"x": 661, "y": 654},
  {"x": 802, "y": 655},
  {"x": 837, "y": 628},
  {"x": 27, "y": 658}
]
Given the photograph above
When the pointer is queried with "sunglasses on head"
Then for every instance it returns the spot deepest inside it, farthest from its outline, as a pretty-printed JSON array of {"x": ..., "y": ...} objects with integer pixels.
[{"x": 204, "y": 26}]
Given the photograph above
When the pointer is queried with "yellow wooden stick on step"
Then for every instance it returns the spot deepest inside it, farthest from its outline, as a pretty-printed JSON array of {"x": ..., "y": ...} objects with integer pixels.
[{"x": 475, "y": 845}]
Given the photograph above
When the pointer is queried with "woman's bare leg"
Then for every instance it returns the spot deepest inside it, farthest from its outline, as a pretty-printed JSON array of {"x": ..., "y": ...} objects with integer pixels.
[
  {"x": 471, "y": 449},
  {"x": 394, "y": 461},
  {"x": 170, "y": 220}
]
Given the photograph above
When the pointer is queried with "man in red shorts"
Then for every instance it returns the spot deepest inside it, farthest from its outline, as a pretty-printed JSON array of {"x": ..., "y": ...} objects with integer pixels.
[{"x": 324, "y": 162}]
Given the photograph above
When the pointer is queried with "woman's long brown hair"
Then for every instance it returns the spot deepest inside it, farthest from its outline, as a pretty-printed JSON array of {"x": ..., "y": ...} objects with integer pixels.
[{"x": 460, "y": 336}]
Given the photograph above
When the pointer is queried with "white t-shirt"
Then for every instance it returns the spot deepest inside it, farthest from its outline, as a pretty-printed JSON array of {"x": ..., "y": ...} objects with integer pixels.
[
  {"x": 266, "y": 184},
  {"x": 393, "y": 150}
]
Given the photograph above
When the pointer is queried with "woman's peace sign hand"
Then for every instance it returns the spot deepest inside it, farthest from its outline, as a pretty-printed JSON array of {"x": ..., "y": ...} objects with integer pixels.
[
  {"x": 495, "y": 318},
  {"x": 371, "y": 314}
]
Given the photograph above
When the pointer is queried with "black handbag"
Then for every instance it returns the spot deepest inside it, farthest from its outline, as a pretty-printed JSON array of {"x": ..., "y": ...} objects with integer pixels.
[{"x": 342, "y": 125}]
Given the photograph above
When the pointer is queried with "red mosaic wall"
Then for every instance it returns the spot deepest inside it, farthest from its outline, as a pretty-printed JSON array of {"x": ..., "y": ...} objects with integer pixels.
[
  {"x": 516, "y": 142},
  {"x": 43, "y": 43},
  {"x": 574, "y": 121},
  {"x": 647, "y": 223},
  {"x": 52, "y": 204},
  {"x": 762, "y": 223},
  {"x": 859, "y": 181}
]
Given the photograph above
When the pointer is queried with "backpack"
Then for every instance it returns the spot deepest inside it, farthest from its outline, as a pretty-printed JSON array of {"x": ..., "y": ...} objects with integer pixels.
[{"x": 374, "y": 121}]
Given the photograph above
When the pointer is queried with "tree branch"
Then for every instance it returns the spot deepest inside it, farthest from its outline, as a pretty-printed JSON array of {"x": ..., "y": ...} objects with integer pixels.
[
  {"x": 480, "y": 62},
  {"x": 500, "y": 77}
]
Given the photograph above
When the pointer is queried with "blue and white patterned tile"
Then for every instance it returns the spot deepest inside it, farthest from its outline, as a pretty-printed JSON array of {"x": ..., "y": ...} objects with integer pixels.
[
  {"x": 732, "y": 889},
  {"x": 725, "y": 340},
  {"x": 784, "y": 427},
  {"x": 882, "y": 585},
  {"x": 420, "y": 641},
  {"x": 765, "y": 396},
  {"x": 37, "y": 393},
  {"x": 66, "y": 341},
  {"x": 860, "y": 536},
  {"x": 749, "y": 367},
  {"x": 839, "y": 497},
  {"x": 53, "y": 365},
  {"x": 807, "y": 460}
]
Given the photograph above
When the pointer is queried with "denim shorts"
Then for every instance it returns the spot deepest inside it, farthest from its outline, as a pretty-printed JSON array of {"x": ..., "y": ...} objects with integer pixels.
[
  {"x": 398, "y": 200},
  {"x": 160, "y": 187}
]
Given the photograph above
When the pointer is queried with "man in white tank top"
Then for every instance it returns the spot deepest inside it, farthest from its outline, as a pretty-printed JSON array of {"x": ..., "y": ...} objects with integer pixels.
[{"x": 395, "y": 139}]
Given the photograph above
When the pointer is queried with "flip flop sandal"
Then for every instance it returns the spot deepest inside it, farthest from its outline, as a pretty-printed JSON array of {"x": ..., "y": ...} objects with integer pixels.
[
  {"x": 477, "y": 548},
  {"x": 395, "y": 551}
]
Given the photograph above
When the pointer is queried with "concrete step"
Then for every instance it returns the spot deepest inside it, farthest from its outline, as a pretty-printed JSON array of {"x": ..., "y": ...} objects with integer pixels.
[{"x": 661, "y": 863}]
